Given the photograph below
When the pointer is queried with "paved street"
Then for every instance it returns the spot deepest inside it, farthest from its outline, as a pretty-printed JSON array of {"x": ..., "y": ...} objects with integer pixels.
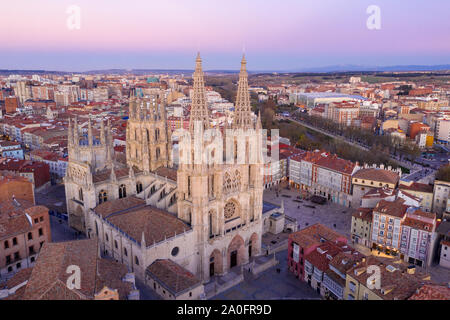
[
  {"x": 62, "y": 232},
  {"x": 439, "y": 274},
  {"x": 271, "y": 285},
  {"x": 422, "y": 175},
  {"x": 145, "y": 292},
  {"x": 53, "y": 197},
  {"x": 329, "y": 214}
]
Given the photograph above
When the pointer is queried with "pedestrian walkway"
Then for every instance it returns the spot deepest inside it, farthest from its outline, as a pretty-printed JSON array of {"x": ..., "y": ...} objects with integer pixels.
[
  {"x": 273, "y": 284},
  {"x": 62, "y": 232}
]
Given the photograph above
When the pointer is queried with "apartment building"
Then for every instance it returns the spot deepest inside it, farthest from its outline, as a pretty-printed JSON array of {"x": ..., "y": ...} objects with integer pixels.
[
  {"x": 321, "y": 173},
  {"x": 304, "y": 241},
  {"x": 24, "y": 228},
  {"x": 361, "y": 227},
  {"x": 101, "y": 279},
  {"x": 441, "y": 193},
  {"x": 417, "y": 236},
  {"x": 397, "y": 282},
  {"x": 344, "y": 112},
  {"x": 369, "y": 178},
  {"x": 420, "y": 190},
  {"x": 317, "y": 265},
  {"x": 386, "y": 225},
  {"x": 11, "y": 149},
  {"x": 442, "y": 134},
  {"x": 335, "y": 277},
  {"x": 36, "y": 172},
  {"x": 444, "y": 259}
]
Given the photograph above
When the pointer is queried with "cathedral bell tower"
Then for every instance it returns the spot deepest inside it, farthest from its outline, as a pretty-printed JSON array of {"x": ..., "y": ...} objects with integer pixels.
[
  {"x": 147, "y": 134},
  {"x": 90, "y": 151}
]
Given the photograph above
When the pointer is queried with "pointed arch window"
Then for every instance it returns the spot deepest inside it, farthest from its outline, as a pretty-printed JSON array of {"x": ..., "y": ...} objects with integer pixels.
[
  {"x": 237, "y": 180},
  {"x": 189, "y": 186},
  {"x": 211, "y": 215},
  {"x": 158, "y": 153},
  {"x": 138, "y": 187},
  {"x": 211, "y": 185},
  {"x": 173, "y": 199},
  {"x": 122, "y": 191},
  {"x": 102, "y": 196},
  {"x": 162, "y": 194},
  {"x": 227, "y": 182},
  {"x": 80, "y": 194}
]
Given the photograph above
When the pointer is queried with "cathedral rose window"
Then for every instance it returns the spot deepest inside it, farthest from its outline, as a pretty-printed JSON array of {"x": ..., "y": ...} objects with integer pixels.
[{"x": 229, "y": 210}]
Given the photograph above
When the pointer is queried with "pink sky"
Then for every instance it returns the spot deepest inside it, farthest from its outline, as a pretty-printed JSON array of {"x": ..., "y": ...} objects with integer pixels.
[{"x": 308, "y": 29}]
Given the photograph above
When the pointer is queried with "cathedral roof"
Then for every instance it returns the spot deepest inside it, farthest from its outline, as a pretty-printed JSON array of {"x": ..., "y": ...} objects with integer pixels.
[
  {"x": 134, "y": 218},
  {"x": 118, "y": 205},
  {"x": 172, "y": 276},
  {"x": 105, "y": 174},
  {"x": 169, "y": 173}
]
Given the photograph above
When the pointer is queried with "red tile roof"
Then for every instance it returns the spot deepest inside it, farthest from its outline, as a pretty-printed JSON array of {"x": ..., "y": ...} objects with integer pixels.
[
  {"x": 312, "y": 235},
  {"x": 172, "y": 276},
  {"x": 49, "y": 277},
  {"x": 431, "y": 292},
  {"x": 416, "y": 186},
  {"x": 377, "y": 174},
  {"x": 363, "y": 213},
  {"x": 395, "y": 208},
  {"x": 134, "y": 218}
]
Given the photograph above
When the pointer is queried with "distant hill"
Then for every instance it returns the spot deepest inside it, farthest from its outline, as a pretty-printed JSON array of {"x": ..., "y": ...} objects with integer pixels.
[
  {"x": 353, "y": 68},
  {"x": 327, "y": 69}
]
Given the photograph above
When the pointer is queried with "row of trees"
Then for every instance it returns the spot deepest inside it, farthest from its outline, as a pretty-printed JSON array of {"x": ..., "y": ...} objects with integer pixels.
[
  {"x": 312, "y": 140},
  {"x": 385, "y": 144}
]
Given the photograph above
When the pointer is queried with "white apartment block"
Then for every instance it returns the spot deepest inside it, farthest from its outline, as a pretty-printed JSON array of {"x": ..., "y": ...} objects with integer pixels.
[
  {"x": 440, "y": 196},
  {"x": 443, "y": 131}
]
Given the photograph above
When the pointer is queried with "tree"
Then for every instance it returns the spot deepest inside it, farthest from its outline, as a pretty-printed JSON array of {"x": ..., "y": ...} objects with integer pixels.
[{"x": 443, "y": 174}]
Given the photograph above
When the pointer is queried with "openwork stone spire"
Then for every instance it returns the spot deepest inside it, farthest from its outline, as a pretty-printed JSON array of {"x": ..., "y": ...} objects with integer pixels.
[
  {"x": 242, "y": 113},
  {"x": 199, "y": 106}
]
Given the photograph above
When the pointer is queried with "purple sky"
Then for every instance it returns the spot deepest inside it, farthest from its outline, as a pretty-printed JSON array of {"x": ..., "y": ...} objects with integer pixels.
[{"x": 276, "y": 35}]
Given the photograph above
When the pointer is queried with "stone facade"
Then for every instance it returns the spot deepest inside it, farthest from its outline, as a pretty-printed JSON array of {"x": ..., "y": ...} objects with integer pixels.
[{"x": 212, "y": 211}]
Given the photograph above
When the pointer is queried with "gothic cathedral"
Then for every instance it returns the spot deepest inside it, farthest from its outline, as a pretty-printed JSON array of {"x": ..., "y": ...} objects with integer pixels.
[{"x": 215, "y": 189}]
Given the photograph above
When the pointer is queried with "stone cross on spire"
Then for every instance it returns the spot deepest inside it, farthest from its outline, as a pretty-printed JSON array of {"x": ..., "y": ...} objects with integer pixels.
[
  {"x": 242, "y": 113},
  {"x": 199, "y": 106}
]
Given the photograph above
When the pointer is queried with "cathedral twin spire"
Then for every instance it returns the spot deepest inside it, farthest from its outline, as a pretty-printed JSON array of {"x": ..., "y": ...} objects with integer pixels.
[
  {"x": 199, "y": 108},
  {"x": 242, "y": 113}
]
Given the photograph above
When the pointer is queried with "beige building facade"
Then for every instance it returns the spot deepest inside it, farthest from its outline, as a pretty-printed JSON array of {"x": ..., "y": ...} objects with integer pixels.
[{"x": 204, "y": 216}]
